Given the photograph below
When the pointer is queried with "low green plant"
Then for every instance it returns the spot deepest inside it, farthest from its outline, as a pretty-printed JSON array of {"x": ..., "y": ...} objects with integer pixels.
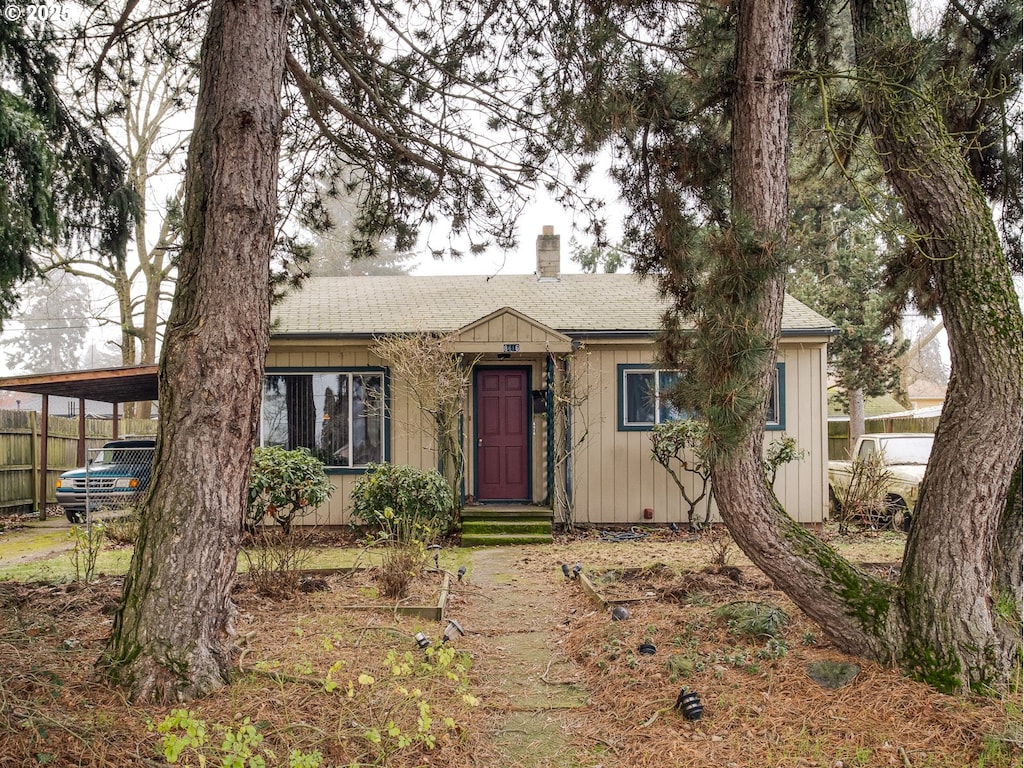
[
  {"x": 779, "y": 452},
  {"x": 389, "y": 710},
  {"x": 415, "y": 497},
  {"x": 87, "y": 542},
  {"x": 187, "y": 738},
  {"x": 683, "y": 443},
  {"x": 751, "y": 619},
  {"x": 410, "y": 509},
  {"x": 285, "y": 485}
]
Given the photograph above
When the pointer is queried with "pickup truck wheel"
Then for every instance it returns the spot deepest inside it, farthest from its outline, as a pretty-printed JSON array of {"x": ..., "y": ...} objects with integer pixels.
[
  {"x": 74, "y": 517},
  {"x": 897, "y": 514}
]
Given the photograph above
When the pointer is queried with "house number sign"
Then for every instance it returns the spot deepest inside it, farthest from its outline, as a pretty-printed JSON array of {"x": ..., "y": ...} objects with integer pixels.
[{"x": 510, "y": 348}]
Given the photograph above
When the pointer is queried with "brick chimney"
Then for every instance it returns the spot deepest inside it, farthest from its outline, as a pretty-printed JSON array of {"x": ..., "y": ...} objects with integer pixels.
[{"x": 549, "y": 253}]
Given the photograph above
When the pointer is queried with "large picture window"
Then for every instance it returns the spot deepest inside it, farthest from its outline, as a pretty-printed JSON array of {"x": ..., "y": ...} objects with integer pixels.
[
  {"x": 643, "y": 398},
  {"x": 338, "y": 416}
]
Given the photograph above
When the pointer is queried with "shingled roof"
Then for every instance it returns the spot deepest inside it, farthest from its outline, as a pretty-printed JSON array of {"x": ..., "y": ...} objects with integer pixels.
[{"x": 576, "y": 305}]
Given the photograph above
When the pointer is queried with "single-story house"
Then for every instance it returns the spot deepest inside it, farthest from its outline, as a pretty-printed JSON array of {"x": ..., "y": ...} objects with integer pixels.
[{"x": 524, "y": 337}]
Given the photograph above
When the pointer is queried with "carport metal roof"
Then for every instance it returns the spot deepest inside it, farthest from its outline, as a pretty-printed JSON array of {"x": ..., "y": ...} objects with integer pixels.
[{"x": 105, "y": 385}]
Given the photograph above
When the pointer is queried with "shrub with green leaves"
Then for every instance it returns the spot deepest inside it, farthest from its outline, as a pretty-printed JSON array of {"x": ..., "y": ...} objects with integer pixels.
[
  {"x": 285, "y": 484},
  {"x": 417, "y": 499},
  {"x": 683, "y": 443}
]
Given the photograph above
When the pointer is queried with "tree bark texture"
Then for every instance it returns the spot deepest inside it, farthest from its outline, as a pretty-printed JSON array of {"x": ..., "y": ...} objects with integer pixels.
[
  {"x": 172, "y": 635},
  {"x": 799, "y": 563},
  {"x": 955, "y": 637},
  {"x": 943, "y": 622}
]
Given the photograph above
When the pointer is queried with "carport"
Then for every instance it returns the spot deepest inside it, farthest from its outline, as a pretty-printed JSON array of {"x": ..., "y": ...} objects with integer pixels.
[{"x": 105, "y": 385}]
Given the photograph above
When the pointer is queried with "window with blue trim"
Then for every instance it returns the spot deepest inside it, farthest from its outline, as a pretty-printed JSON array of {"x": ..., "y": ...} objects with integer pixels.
[
  {"x": 338, "y": 416},
  {"x": 643, "y": 398},
  {"x": 776, "y": 419}
]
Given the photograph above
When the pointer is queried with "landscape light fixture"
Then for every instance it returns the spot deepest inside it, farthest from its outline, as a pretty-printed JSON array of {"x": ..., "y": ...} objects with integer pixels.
[
  {"x": 688, "y": 702},
  {"x": 565, "y": 570},
  {"x": 577, "y": 570},
  {"x": 461, "y": 573},
  {"x": 451, "y": 629},
  {"x": 620, "y": 613},
  {"x": 421, "y": 640}
]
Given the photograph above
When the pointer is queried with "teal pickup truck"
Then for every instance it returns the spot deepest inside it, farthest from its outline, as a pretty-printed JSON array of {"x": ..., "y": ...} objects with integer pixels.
[
  {"x": 115, "y": 478},
  {"x": 904, "y": 456}
]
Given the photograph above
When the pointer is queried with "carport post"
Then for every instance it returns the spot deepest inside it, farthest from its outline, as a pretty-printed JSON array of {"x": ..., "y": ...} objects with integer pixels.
[
  {"x": 44, "y": 434},
  {"x": 114, "y": 422},
  {"x": 81, "y": 432}
]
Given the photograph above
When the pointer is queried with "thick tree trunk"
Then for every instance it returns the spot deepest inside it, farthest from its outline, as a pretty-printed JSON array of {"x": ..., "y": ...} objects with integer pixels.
[
  {"x": 172, "y": 635},
  {"x": 955, "y": 637},
  {"x": 799, "y": 563},
  {"x": 942, "y": 622}
]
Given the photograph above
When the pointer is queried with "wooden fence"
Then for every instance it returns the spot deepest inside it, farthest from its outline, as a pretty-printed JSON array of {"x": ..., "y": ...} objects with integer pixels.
[{"x": 20, "y": 442}]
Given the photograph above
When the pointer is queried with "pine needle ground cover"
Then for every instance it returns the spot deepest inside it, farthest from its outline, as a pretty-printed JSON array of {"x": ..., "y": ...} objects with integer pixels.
[{"x": 323, "y": 683}]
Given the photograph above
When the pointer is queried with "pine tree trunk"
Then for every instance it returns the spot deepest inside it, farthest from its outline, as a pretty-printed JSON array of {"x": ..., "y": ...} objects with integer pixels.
[
  {"x": 172, "y": 635},
  {"x": 797, "y": 561},
  {"x": 955, "y": 638},
  {"x": 942, "y": 622}
]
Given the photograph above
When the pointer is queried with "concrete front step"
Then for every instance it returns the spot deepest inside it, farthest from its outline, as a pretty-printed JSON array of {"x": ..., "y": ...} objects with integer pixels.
[
  {"x": 504, "y": 539},
  {"x": 493, "y": 525},
  {"x": 507, "y": 513},
  {"x": 500, "y": 525}
]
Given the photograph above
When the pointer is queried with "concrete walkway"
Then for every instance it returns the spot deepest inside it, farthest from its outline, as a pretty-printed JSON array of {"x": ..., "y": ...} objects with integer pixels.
[{"x": 514, "y": 615}]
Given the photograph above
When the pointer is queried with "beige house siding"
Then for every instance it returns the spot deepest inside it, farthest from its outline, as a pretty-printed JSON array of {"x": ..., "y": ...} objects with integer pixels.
[
  {"x": 615, "y": 478},
  {"x": 409, "y": 437},
  {"x": 506, "y": 326}
]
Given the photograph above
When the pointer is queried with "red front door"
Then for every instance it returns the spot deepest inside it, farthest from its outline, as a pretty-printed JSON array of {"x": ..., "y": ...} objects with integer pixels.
[{"x": 502, "y": 432}]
